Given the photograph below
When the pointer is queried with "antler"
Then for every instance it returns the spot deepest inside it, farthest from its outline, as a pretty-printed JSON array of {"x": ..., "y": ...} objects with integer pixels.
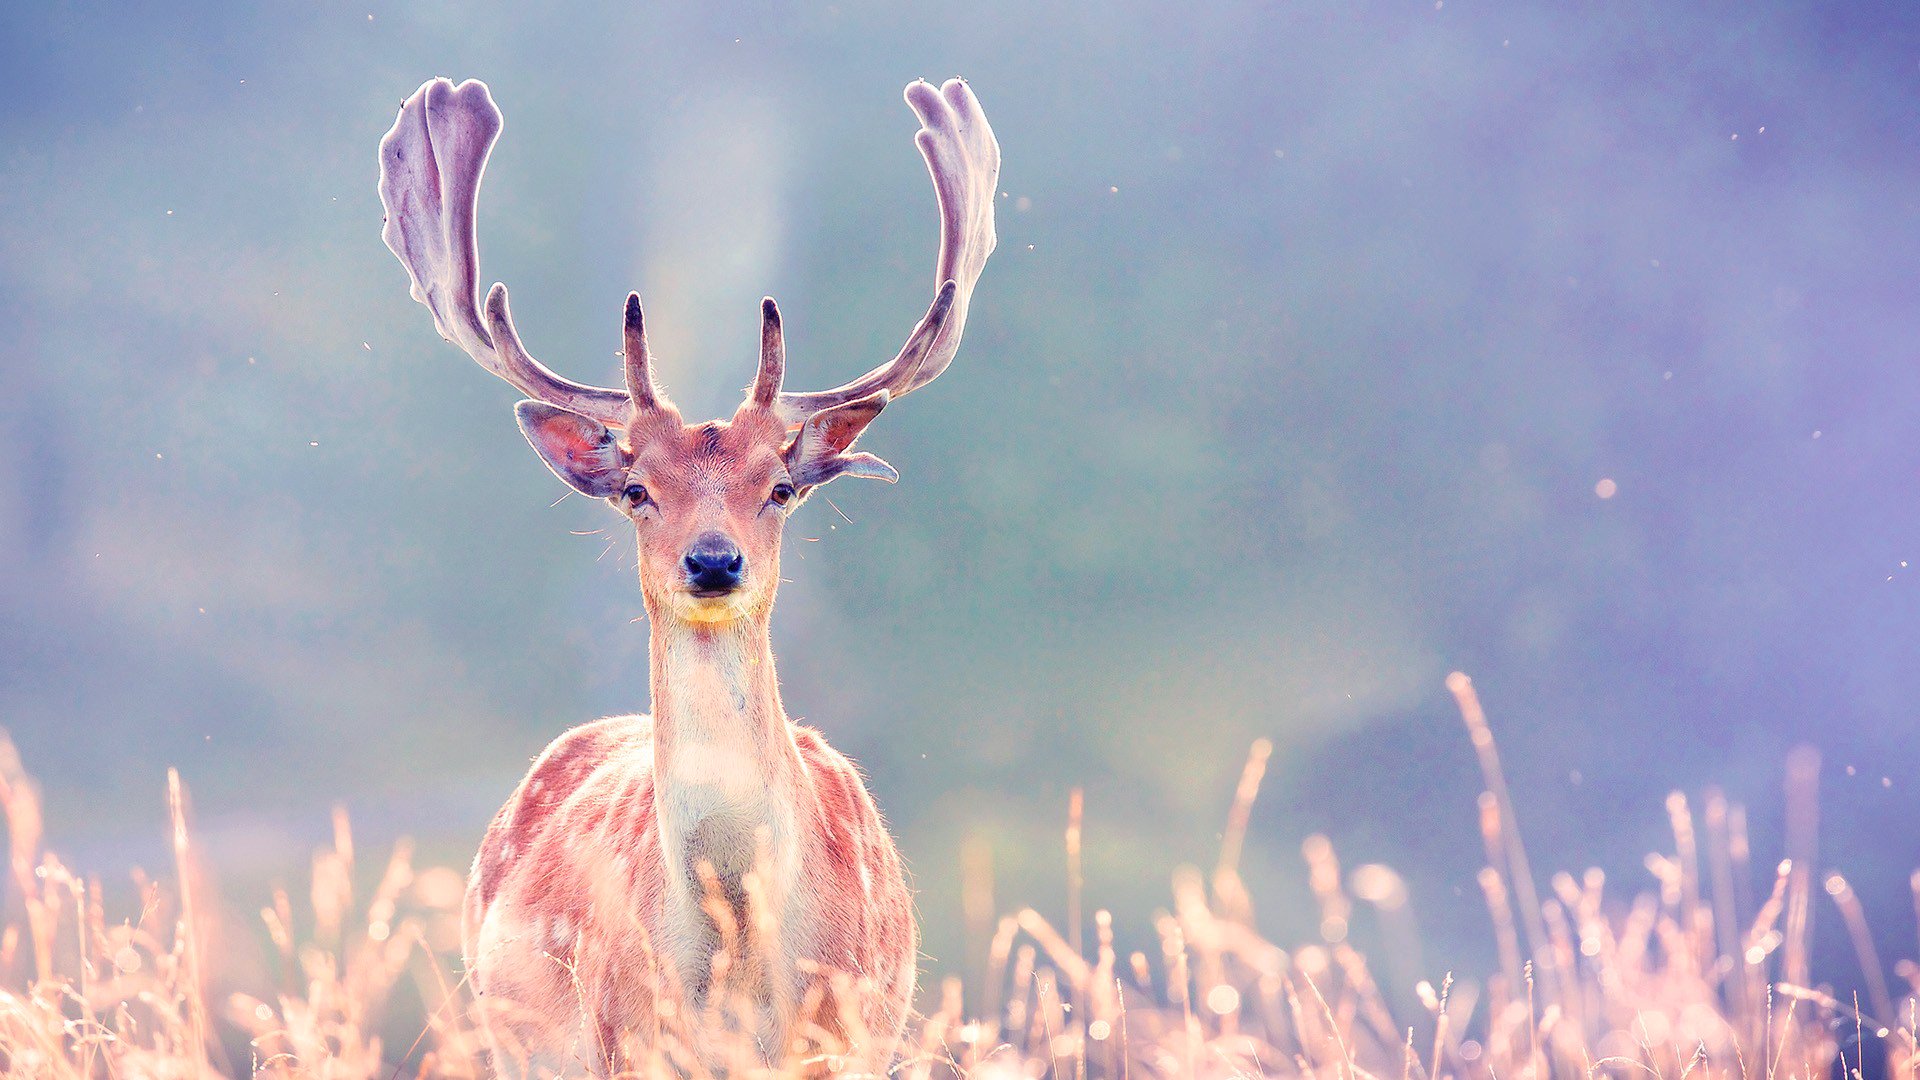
[
  {"x": 430, "y": 167},
  {"x": 964, "y": 160}
]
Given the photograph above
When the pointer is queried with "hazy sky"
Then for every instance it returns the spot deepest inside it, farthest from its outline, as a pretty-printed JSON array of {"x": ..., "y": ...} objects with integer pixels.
[{"x": 1315, "y": 331}]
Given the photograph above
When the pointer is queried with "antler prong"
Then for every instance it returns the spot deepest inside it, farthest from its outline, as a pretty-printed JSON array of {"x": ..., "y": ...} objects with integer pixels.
[
  {"x": 913, "y": 355},
  {"x": 773, "y": 355},
  {"x": 636, "y": 361},
  {"x": 534, "y": 379}
]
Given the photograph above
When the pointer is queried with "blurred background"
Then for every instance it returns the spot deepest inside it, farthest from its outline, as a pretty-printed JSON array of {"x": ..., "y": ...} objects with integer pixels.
[{"x": 1329, "y": 347}]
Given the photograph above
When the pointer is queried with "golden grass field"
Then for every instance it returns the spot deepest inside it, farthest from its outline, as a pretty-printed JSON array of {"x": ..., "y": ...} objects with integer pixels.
[{"x": 1703, "y": 977}]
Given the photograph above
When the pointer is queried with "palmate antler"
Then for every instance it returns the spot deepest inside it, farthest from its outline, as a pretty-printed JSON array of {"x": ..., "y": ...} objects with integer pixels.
[
  {"x": 430, "y": 168},
  {"x": 964, "y": 160}
]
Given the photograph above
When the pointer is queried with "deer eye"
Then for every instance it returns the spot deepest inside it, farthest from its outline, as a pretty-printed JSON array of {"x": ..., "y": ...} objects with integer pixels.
[
  {"x": 636, "y": 496},
  {"x": 782, "y": 493}
]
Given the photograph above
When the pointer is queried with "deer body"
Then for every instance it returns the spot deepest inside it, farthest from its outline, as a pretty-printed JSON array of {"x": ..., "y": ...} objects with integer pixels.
[
  {"x": 708, "y": 888},
  {"x": 626, "y": 810}
]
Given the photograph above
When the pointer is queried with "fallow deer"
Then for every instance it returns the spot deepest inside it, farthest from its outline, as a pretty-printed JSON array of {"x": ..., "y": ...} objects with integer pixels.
[{"x": 712, "y": 879}]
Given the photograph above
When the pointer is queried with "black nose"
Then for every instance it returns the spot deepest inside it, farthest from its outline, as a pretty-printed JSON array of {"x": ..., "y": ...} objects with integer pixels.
[{"x": 714, "y": 566}]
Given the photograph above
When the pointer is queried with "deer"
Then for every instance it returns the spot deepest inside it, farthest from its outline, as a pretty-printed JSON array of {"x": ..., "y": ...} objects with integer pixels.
[{"x": 707, "y": 887}]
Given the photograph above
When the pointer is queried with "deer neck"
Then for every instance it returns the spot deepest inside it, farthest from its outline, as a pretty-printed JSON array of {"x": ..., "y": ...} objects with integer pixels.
[{"x": 726, "y": 771}]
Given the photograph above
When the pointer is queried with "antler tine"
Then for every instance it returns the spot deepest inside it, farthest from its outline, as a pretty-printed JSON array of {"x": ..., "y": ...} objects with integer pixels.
[
  {"x": 773, "y": 355},
  {"x": 637, "y": 362},
  {"x": 964, "y": 161},
  {"x": 535, "y": 380},
  {"x": 431, "y": 163}
]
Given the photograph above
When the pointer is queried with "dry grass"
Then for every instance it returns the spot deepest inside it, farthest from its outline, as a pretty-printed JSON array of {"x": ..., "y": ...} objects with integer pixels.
[{"x": 1704, "y": 976}]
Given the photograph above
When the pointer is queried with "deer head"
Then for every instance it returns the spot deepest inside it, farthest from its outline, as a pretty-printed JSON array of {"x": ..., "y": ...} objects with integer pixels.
[{"x": 708, "y": 501}]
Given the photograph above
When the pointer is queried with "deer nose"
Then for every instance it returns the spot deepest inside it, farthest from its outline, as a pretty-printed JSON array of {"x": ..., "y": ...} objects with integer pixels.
[{"x": 714, "y": 565}]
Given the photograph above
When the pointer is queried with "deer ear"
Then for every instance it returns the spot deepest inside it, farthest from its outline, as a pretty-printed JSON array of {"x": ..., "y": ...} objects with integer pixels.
[
  {"x": 820, "y": 451},
  {"x": 580, "y": 450}
]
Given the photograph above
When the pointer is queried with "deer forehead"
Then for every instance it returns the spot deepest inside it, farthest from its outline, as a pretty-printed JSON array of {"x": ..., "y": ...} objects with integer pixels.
[{"x": 712, "y": 458}]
